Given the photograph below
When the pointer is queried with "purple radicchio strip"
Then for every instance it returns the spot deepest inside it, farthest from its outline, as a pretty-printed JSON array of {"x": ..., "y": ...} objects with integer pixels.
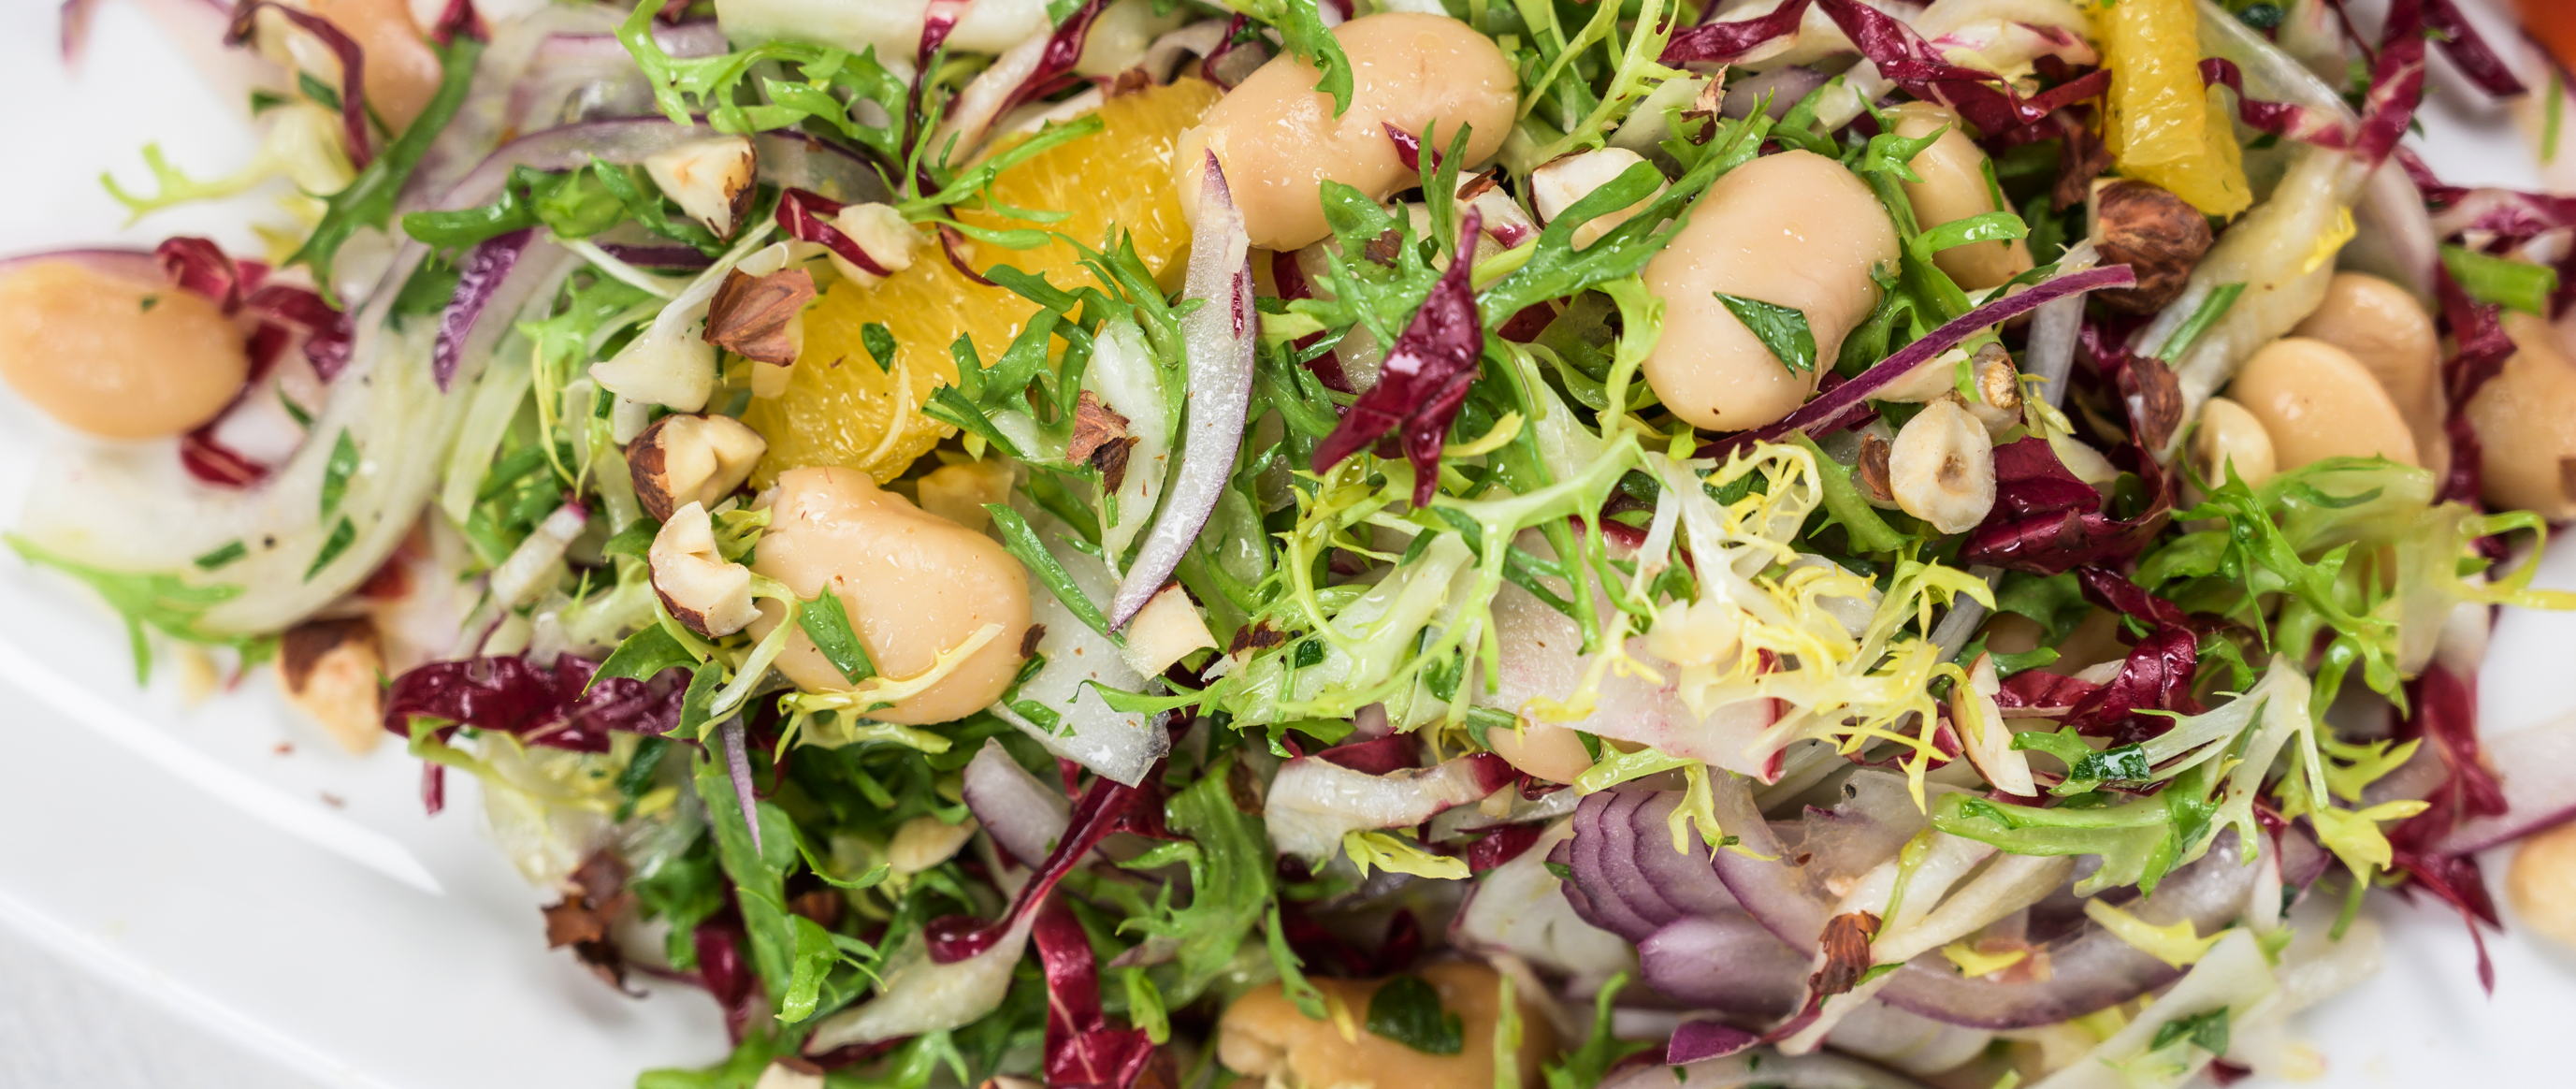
[
  {"x": 1108, "y": 806},
  {"x": 806, "y": 217},
  {"x": 1903, "y": 56},
  {"x": 1082, "y": 1050},
  {"x": 553, "y": 706},
  {"x": 353, "y": 60},
  {"x": 1218, "y": 341},
  {"x": 485, "y": 268},
  {"x": 1727, "y": 43},
  {"x": 1055, "y": 66},
  {"x": 2047, "y": 522},
  {"x": 1841, "y": 406},
  {"x": 1427, "y": 373}
]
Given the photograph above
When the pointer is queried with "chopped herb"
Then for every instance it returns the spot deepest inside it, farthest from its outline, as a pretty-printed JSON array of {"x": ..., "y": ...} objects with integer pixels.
[
  {"x": 221, "y": 556},
  {"x": 1407, "y": 1010},
  {"x": 342, "y": 536},
  {"x": 337, "y": 471},
  {"x": 1782, "y": 329},
  {"x": 828, "y": 625}
]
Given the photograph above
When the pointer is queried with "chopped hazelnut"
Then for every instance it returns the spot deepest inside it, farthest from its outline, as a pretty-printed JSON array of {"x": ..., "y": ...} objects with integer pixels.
[
  {"x": 682, "y": 459},
  {"x": 332, "y": 670},
  {"x": 2156, "y": 234},
  {"x": 701, "y": 588},
  {"x": 709, "y": 179}
]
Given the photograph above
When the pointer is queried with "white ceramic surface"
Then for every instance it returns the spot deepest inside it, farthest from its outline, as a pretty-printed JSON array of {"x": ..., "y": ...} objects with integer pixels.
[{"x": 300, "y": 904}]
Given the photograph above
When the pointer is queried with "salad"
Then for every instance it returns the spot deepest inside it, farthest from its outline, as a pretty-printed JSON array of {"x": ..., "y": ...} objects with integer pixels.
[{"x": 1414, "y": 543}]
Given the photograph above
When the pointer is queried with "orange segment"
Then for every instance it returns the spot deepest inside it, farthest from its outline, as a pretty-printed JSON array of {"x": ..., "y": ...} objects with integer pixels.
[
  {"x": 840, "y": 409},
  {"x": 2164, "y": 126}
]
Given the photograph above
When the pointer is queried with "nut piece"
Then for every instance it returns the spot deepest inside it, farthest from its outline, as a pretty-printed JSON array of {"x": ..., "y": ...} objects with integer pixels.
[
  {"x": 883, "y": 234},
  {"x": 1168, "y": 627},
  {"x": 1556, "y": 185},
  {"x": 683, "y": 459},
  {"x": 330, "y": 670},
  {"x": 1942, "y": 467},
  {"x": 1998, "y": 382},
  {"x": 2230, "y": 436},
  {"x": 709, "y": 179},
  {"x": 761, "y": 317},
  {"x": 702, "y": 590},
  {"x": 1871, "y": 473},
  {"x": 959, "y": 492},
  {"x": 2156, "y": 234}
]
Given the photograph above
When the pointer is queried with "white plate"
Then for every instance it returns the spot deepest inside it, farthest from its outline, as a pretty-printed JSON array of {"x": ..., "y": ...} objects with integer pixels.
[{"x": 302, "y": 906}]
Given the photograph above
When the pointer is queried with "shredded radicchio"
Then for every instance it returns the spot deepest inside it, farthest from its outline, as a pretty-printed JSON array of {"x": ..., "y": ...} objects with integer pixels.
[
  {"x": 1082, "y": 1050},
  {"x": 806, "y": 216},
  {"x": 282, "y": 312},
  {"x": 557, "y": 707},
  {"x": 480, "y": 276},
  {"x": 1425, "y": 379},
  {"x": 1841, "y": 406},
  {"x": 2046, "y": 521},
  {"x": 1982, "y": 98},
  {"x": 1727, "y": 43},
  {"x": 1109, "y": 806},
  {"x": 2443, "y": 711},
  {"x": 1055, "y": 67},
  {"x": 353, "y": 60}
]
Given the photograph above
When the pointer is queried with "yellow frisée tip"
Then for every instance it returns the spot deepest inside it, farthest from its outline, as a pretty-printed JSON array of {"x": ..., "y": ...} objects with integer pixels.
[
  {"x": 1398, "y": 854},
  {"x": 1974, "y": 962},
  {"x": 2176, "y": 943},
  {"x": 877, "y": 692},
  {"x": 1499, "y": 436}
]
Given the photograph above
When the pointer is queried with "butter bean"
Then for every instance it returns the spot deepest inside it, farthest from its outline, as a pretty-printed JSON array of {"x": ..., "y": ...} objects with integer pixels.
[{"x": 1793, "y": 229}]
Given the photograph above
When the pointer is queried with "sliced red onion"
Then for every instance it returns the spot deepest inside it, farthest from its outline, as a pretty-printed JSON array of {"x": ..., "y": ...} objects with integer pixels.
[
  {"x": 738, "y": 768},
  {"x": 75, "y": 16},
  {"x": 1836, "y": 409},
  {"x": 1024, "y": 816},
  {"x": 207, "y": 458},
  {"x": 1515, "y": 908},
  {"x": 685, "y": 258},
  {"x": 1764, "y": 1067},
  {"x": 2090, "y": 969},
  {"x": 1313, "y": 802},
  {"x": 938, "y": 19},
  {"x": 485, "y": 270},
  {"x": 1697, "y": 1040},
  {"x": 1725, "y": 962},
  {"x": 2055, "y": 327},
  {"x": 353, "y": 61},
  {"x": 1037, "y": 66},
  {"x": 2538, "y": 769},
  {"x": 1785, "y": 86},
  {"x": 1218, "y": 340}
]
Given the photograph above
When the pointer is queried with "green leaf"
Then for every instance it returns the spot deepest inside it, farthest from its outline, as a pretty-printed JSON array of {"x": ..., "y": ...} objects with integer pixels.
[
  {"x": 880, "y": 343},
  {"x": 1022, "y": 543},
  {"x": 827, "y": 623},
  {"x": 637, "y": 777},
  {"x": 368, "y": 201},
  {"x": 1301, "y": 28},
  {"x": 644, "y": 655},
  {"x": 633, "y": 542},
  {"x": 2514, "y": 285},
  {"x": 164, "y": 603},
  {"x": 2211, "y": 309},
  {"x": 342, "y": 536},
  {"x": 320, "y": 92},
  {"x": 1292, "y": 979},
  {"x": 1990, "y": 227},
  {"x": 337, "y": 471},
  {"x": 1229, "y": 885},
  {"x": 1782, "y": 329},
  {"x": 2125, "y": 763},
  {"x": 1585, "y": 1066},
  {"x": 2208, "y": 1031},
  {"x": 759, "y": 874},
  {"x": 1861, "y": 524},
  {"x": 811, "y": 960},
  {"x": 1407, "y": 1010},
  {"x": 231, "y": 551}
]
